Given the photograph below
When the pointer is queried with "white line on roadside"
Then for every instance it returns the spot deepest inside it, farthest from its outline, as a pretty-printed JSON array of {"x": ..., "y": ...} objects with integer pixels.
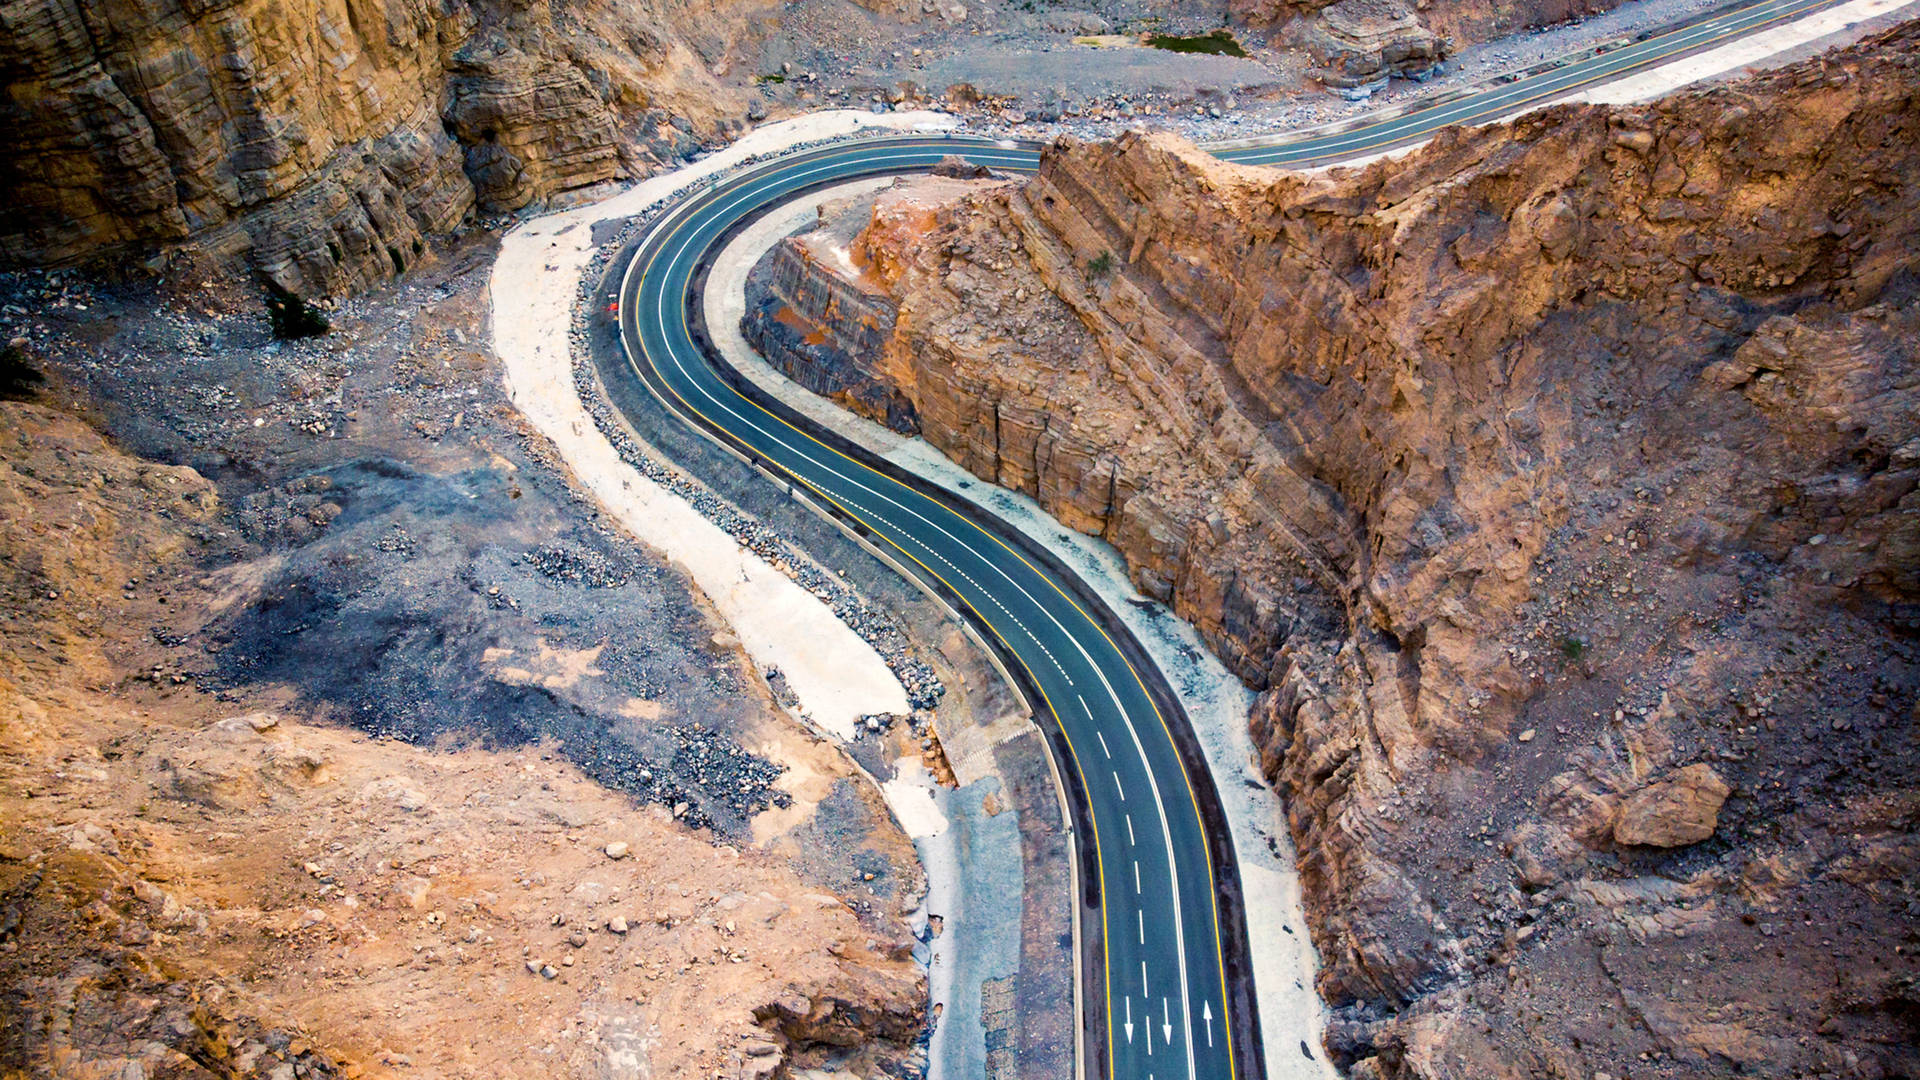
[{"x": 740, "y": 196}]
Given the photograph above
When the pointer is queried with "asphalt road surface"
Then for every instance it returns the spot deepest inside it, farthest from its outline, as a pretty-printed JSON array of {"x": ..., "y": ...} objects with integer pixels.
[{"x": 1158, "y": 999}]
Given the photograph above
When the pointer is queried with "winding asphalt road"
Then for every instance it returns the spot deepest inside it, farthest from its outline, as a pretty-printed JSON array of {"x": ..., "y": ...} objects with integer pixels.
[{"x": 1167, "y": 985}]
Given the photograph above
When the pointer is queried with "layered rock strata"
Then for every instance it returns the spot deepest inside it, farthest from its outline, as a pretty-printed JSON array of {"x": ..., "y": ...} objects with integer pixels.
[
  {"x": 1556, "y": 485},
  {"x": 824, "y": 326},
  {"x": 320, "y": 141},
  {"x": 1356, "y": 42}
]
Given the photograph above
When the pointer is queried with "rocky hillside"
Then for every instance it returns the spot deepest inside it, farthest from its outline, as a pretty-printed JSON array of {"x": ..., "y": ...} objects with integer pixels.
[
  {"x": 1556, "y": 485},
  {"x": 322, "y": 140},
  {"x": 321, "y": 143},
  {"x": 1352, "y": 43},
  {"x": 1469, "y": 20},
  {"x": 339, "y": 736}
]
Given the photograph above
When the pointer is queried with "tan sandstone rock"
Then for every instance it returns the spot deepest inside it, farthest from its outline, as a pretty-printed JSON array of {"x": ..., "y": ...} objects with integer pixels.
[
  {"x": 321, "y": 141},
  {"x": 1679, "y": 810},
  {"x": 1354, "y": 42}
]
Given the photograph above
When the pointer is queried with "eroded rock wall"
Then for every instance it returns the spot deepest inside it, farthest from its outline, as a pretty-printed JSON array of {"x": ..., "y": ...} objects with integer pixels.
[
  {"x": 824, "y": 330},
  {"x": 320, "y": 141},
  {"x": 1556, "y": 485}
]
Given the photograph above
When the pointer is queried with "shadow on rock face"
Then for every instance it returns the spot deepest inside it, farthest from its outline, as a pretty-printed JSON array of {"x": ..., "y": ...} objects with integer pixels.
[{"x": 424, "y": 611}]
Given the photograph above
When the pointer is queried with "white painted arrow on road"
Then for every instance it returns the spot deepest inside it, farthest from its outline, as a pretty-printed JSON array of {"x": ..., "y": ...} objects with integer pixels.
[
  {"x": 1166, "y": 1021},
  {"x": 1206, "y": 1013},
  {"x": 1129, "y": 1023}
]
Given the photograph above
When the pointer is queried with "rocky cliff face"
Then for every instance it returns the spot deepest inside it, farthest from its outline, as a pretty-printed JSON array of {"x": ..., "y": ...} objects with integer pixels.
[
  {"x": 824, "y": 327},
  {"x": 1556, "y": 484},
  {"x": 322, "y": 140},
  {"x": 1355, "y": 42}
]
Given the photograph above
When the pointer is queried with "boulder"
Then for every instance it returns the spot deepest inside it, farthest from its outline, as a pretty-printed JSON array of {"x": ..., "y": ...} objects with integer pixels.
[
  {"x": 1356, "y": 42},
  {"x": 1679, "y": 810}
]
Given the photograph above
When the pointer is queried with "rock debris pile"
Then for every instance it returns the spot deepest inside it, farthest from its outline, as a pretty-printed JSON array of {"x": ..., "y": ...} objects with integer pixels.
[{"x": 309, "y": 730}]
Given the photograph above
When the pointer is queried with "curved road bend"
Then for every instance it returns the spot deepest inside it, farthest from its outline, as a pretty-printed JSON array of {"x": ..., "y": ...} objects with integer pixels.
[
  {"x": 1162, "y": 980},
  {"x": 1321, "y": 147},
  {"x": 1158, "y": 999}
]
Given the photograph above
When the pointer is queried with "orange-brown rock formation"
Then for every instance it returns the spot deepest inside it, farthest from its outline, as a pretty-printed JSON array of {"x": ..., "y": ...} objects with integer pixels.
[
  {"x": 321, "y": 140},
  {"x": 1556, "y": 484}
]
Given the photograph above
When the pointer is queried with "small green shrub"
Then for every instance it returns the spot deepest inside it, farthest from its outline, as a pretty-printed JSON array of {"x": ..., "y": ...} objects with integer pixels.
[
  {"x": 1101, "y": 265},
  {"x": 1572, "y": 648},
  {"x": 1219, "y": 43}
]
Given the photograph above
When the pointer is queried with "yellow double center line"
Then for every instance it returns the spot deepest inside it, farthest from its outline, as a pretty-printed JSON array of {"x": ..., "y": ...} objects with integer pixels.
[
  {"x": 1399, "y": 130},
  {"x": 664, "y": 242}
]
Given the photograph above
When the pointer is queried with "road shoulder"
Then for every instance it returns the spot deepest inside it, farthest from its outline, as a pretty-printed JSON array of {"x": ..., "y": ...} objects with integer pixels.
[{"x": 1218, "y": 705}]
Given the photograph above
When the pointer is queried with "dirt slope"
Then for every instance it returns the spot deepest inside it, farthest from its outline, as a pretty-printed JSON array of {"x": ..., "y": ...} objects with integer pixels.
[{"x": 319, "y": 725}]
